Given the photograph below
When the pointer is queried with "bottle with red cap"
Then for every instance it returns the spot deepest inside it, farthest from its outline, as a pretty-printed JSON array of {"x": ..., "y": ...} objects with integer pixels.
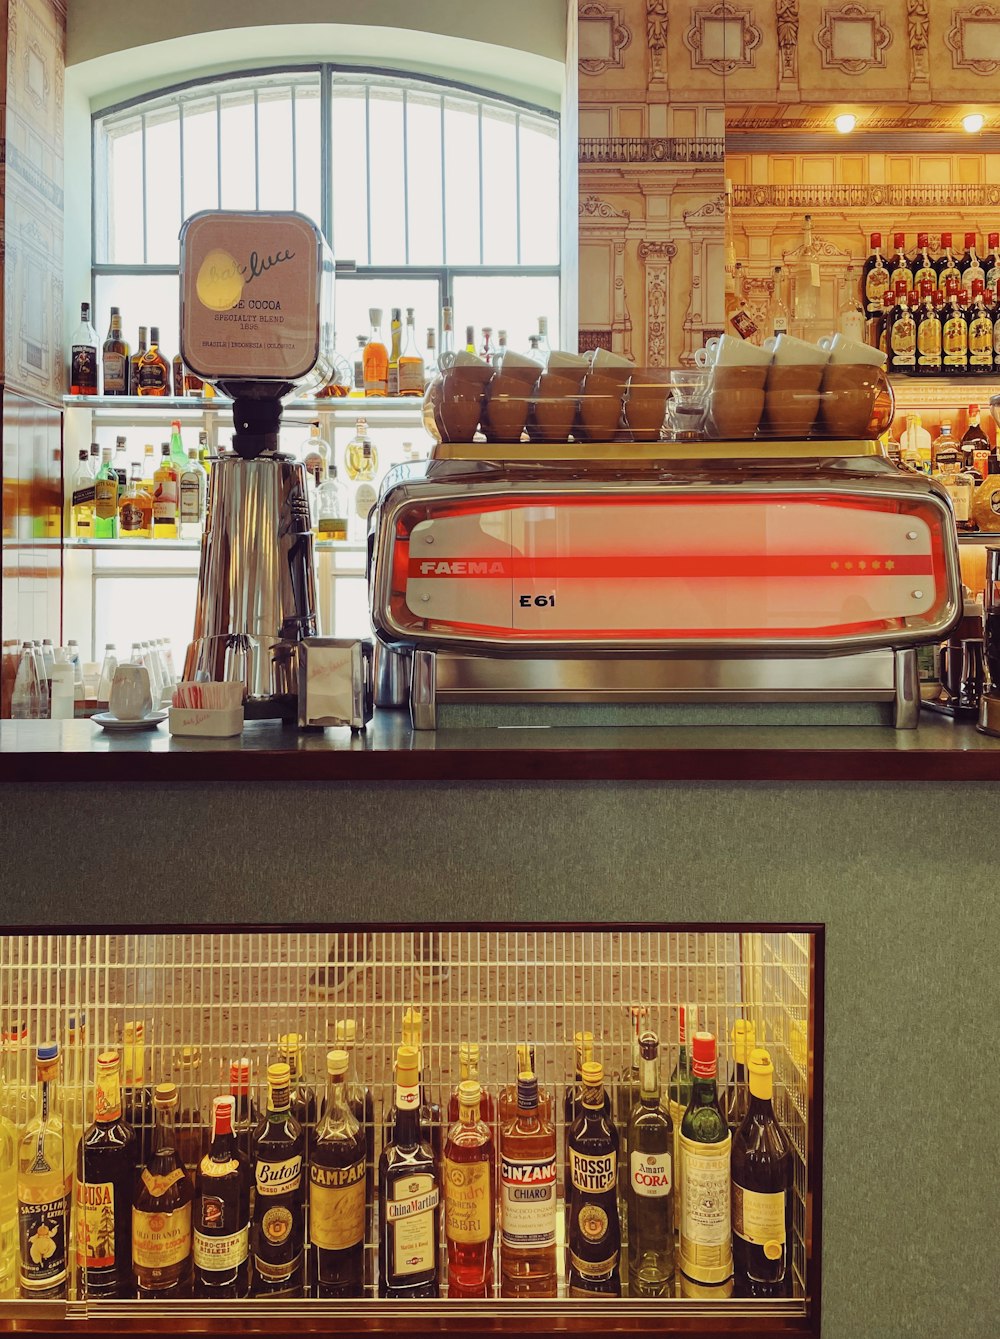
[
  {"x": 706, "y": 1244},
  {"x": 946, "y": 264},
  {"x": 902, "y": 335},
  {"x": 874, "y": 277},
  {"x": 992, "y": 265},
  {"x": 924, "y": 269},
  {"x": 955, "y": 334},
  {"x": 246, "y": 1116},
  {"x": 970, "y": 265},
  {"x": 981, "y": 333},
  {"x": 900, "y": 269},
  {"x": 929, "y": 336},
  {"x": 762, "y": 1190}
]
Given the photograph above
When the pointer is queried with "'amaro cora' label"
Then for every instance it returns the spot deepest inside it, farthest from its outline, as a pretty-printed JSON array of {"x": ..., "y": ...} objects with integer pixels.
[{"x": 650, "y": 1174}]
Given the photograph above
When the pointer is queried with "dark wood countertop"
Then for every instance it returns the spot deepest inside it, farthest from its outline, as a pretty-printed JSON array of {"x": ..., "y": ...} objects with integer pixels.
[{"x": 79, "y": 751}]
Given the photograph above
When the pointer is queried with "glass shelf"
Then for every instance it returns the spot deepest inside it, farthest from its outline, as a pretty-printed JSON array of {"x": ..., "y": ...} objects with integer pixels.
[
  {"x": 160, "y": 405},
  {"x": 180, "y": 545}
]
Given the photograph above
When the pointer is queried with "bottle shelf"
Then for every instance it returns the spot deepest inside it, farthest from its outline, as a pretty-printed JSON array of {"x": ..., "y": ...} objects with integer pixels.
[
  {"x": 942, "y": 392},
  {"x": 177, "y": 545},
  {"x": 154, "y": 406}
]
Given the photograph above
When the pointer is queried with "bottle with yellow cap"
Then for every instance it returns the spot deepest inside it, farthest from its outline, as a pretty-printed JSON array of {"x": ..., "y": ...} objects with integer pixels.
[
  {"x": 301, "y": 1095},
  {"x": 192, "y": 1133},
  {"x": 469, "y": 1205},
  {"x": 736, "y": 1097},
  {"x": 277, "y": 1235},
  {"x": 706, "y": 1253},
  {"x": 594, "y": 1225},
  {"x": 361, "y": 1102},
  {"x": 337, "y": 1191},
  {"x": 431, "y": 1121},
  {"x": 409, "y": 1194},
  {"x": 468, "y": 1068},
  {"x": 105, "y": 1188},
  {"x": 762, "y": 1189},
  {"x": 584, "y": 1046},
  {"x": 507, "y": 1105},
  {"x": 161, "y": 1211},
  {"x": 137, "y": 1097}
]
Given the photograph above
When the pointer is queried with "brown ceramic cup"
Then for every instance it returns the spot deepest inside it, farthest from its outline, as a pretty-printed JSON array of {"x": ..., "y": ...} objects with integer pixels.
[
  {"x": 646, "y": 403},
  {"x": 600, "y": 407},
  {"x": 736, "y": 401},
  {"x": 791, "y": 400},
  {"x": 460, "y": 408},
  {"x": 508, "y": 399},
  {"x": 553, "y": 408},
  {"x": 848, "y": 399}
]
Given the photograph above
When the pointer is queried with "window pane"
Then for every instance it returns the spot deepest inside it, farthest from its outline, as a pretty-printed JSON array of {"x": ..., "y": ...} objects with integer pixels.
[
  {"x": 275, "y": 158},
  {"x": 499, "y": 187},
  {"x": 308, "y": 178},
  {"x": 461, "y": 143},
  {"x": 125, "y": 203},
  {"x": 201, "y": 157},
  {"x": 163, "y": 187},
  {"x": 423, "y": 130},
  {"x": 349, "y": 170},
  {"x": 238, "y": 167},
  {"x": 144, "y": 300},
  {"x": 539, "y": 193},
  {"x": 129, "y": 609},
  {"x": 507, "y": 302},
  {"x": 386, "y": 170},
  {"x": 353, "y": 297}
]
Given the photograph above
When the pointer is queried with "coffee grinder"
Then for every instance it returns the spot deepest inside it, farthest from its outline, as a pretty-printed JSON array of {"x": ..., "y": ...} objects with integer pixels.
[
  {"x": 989, "y": 704},
  {"x": 256, "y": 322}
]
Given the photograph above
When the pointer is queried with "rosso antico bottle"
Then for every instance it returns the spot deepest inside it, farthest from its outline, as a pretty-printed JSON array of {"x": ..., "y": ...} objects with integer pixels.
[
  {"x": 649, "y": 1197},
  {"x": 409, "y": 1194},
  {"x": 161, "y": 1213},
  {"x": 706, "y": 1254},
  {"x": 469, "y": 1178},
  {"x": 337, "y": 1190},
  {"x": 762, "y": 1190},
  {"x": 222, "y": 1212},
  {"x": 527, "y": 1196},
  {"x": 277, "y": 1232},
  {"x": 44, "y": 1180},
  {"x": 594, "y": 1227},
  {"x": 105, "y": 1189}
]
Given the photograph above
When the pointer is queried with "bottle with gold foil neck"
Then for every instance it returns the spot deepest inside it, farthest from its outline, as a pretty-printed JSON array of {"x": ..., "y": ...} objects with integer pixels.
[
  {"x": 105, "y": 1187},
  {"x": 337, "y": 1190},
  {"x": 161, "y": 1213},
  {"x": 137, "y": 1098},
  {"x": 736, "y": 1097},
  {"x": 594, "y": 1226},
  {"x": 469, "y": 1207},
  {"x": 277, "y": 1232},
  {"x": 409, "y": 1195},
  {"x": 762, "y": 1190},
  {"x": 706, "y": 1253},
  {"x": 302, "y": 1096},
  {"x": 431, "y": 1121},
  {"x": 468, "y": 1069}
]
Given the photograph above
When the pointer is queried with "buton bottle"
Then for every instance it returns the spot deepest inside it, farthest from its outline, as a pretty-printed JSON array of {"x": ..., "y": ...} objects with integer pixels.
[
  {"x": 277, "y": 1234},
  {"x": 527, "y": 1196},
  {"x": 706, "y": 1252},
  {"x": 649, "y": 1197},
  {"x": 409, "y": 1195},
  {"x": 594, "y": 1226},
  {"x": 469, "y": 1209},
  {"x": 762, "y": 1189},
  {"x": 337, "y": 1190},
  {"x": 222, "y": 1211},
  {"x": 161, "y": 1212},
  {"x": 105, "y": 1188}
]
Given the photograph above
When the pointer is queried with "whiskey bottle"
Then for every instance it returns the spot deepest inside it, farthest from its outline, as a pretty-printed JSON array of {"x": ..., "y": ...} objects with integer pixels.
[
  {"x": 594, "y": 1227},
  {"x": 679, "y": 1092},
  {"x": 468, "y": 1069},
  {"x": 105, "y": 1188},
  {"x": 115, "y": 358},
  {"x": 193, "y": 486},
  {"x": 706, "y": 1251},
  {"x": 277, "y": 1230},
  {"x": 735, "y": 1097},
  {"x": 409, "y": 1194},
  {"x": 153, "y": 375},
  {"x": 44, "y": 1184},
  {"x": 958, "y": 484},
  {"x": 874, "y": 277},
  {"x": 395, "y": 334},
  {"x": 469, "y": 1209},
  {"x": 649, "y": 1196},
  {"x": 82, "y": 498},
  {"x": 762, "y": 1188},
  {"x": 222, "y": 1212},
  {"x": 166, "y": 490},
  {"x": 337, "y": 1191},
  {"x": 411, "y": 365},
  {"x": 527, "y": 1197},
  {"x": 955, "y": 337},
  {"x": 376, "y": 357},
  {"x": 136, "y": 360},
  {"x": 161, "y": 1212},
  {"x": 84, "y": 356}
]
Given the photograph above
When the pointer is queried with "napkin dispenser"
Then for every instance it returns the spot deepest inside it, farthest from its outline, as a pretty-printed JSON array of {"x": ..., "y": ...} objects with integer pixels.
[{"x": 336, "y": 681}]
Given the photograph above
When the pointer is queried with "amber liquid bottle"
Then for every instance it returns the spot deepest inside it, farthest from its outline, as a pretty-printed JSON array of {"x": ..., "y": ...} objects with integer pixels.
[
  {"x": 469, "y": 1208},
  {"x": 246, "y": 1117},
  {"x": 375, "y": 358},
  {"x": 161, "y": 1213},
  {"x": 153, "y": 375},
  {"x": 137, "y": 1097},
  {"x": 468, "y": 1068},
  {"x": 762, "y": 1191},
  {"x": 337, "y": 1191},
  {"x": 222, "y": 1212},
  {"x": 301, "y": 1095},
  {"x": 735, "y": 1098},
  {"x": 706, "y": 1254},
  {"x": 409, "y": 1195},
  {"x": 594, "y": 1225},
  {"x": 527, "y": 1197},
  {"x": 277, "y": 1232},
  {"x": 115, "y": 363},
  {"x": 135, "y": 360},
  {"x": 105, "y": 1188}
]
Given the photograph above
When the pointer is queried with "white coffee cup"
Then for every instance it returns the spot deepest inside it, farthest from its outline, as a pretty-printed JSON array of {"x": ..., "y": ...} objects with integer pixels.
[
  {"x": 130, "y": 698},
  {"x": 732, "y": 351},
  {"x": 786, "y": 350},
  {"x": 844, "y": 350}
]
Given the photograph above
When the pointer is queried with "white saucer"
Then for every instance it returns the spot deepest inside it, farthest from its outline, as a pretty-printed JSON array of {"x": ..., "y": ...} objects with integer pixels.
[{"x": 149, "y": 722}]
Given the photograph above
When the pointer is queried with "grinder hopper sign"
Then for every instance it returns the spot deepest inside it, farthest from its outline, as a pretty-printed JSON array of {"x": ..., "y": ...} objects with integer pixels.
[{"x": 255, "y": 292}]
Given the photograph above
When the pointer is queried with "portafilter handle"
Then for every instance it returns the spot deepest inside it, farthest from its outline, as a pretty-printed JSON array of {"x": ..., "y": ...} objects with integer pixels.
[{"x": 256, "y": 415}]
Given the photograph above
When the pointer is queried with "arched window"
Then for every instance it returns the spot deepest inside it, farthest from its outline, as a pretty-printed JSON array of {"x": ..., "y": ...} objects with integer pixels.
[{"x": 435, "y": 191}]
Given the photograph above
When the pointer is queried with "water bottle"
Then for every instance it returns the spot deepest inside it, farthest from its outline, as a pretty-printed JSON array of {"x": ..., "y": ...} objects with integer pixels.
[
  {"x": 75, "y": 659},
  {"x": 48, "y": 656},
  {"x": 108, "y": 667},
  {"x": 43, "y": 681},
  {"x": 24, "y": 699}
]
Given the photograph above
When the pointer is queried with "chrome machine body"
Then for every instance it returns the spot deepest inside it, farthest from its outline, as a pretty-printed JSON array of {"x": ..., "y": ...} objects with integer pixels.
[{"x": 690, "y": 580}]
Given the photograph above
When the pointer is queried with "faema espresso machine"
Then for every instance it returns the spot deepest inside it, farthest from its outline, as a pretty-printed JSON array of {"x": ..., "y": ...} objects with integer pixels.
[
  {"x": 767, "y": 552},
  {"x": 256, "y": 318}
]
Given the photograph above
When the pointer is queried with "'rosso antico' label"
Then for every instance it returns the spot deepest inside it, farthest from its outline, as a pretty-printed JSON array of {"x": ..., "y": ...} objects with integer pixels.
[
  {"x": 593, "y": 1173},
  {"x": 95, "y": 1224},
  {"x": 650, "y": 1174},
  {"x": 337, "y": 1206},
  {"x": 528, "y": 1203},
  {"x": 279, "y": 1178},
  {"x": 467, "y": 1214}
]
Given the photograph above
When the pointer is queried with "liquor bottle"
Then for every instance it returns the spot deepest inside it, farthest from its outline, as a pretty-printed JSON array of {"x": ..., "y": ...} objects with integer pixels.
[
  {"x": 337, "y": 1184},
  {"x": 706, "y": 1252},
  {"x": 975, "y": 445},
  {"x": 45, "y": 1163},
  {"x": 501, "y": 350},
  {"x": 959, "y": 485},
  {"x": 138, "y": 1098},
  {"x": 135, "y": 362},
  {"x": 735, "y": 1098},
  {"x": 332, "y": 507},
  {"x": 594, "y": 1237},
  {"x": 161, "y": 1210},
  {"x": 447, "y": 354},
  {"x": 9, "y": 1253},
  {"x": 469, "y": 1210},
  {"x": 679, "y": 1092},
  {"x": 777, "y": 312},
  {"x": 470, "y": 339},
  {"x": 986, "y": 503},
  {"x": 527, "y": 1196},
  {"x": 277, "y": 1229},
  {"x": 885, "y": 325},
  {"x": 970, "y": 266},
  {"x": 431, "y": 1121},
  {"x": 851, "y": 316},
  {"x": 955, "y": 338},
  {"x": 486, "y": 352},
  {"x": 204, "y": 456},
  {"x": 507, "y": 1104},
  {"x": 246, "y": 1118},
  {"x": 900, "y": 269},
  {"x": 193, "y": 487},
  {"x": 316, "y": 450},
  {"x": 395, "y": 336},
  {"x": 411, "y": 365},
  {"x": 193, "y": 385},
  {"x": 177, "y": 453},
  {"x": 365, "y": 495},
  {"x": 135, "y": 508},
  {"x": 105, "y": 1187},
  {"x": 84, "y": 356},
  {"x": 929, "y": 339},
  {"x": 874, "y": 277},
  {"x": 544, "y": 348},
  {"x": 82, "y": 497},
  {"x": 358, "y": 367},
  {"x": 115, "y": 358},
  {"x": 148, "y": 468},
  {"x": 153, "y": 376},
  {"x": 222, "y": 1212},
  {"x": 376, "y": 357},
  {"x": 361, "y": 1102},
  {"x": 106, "y": 498},
  {"x": 121, "y": 463},
  {"x": 924, "y": 269},
  {"x": 409, "y": 1194},
  {"x": 992, "y": 265},
  {"x": 946, "y": 265},
  {"x": 192, "y": 1135},
  {"x": 165, "y": 496},
  {"x": 626, "y": 1093},
  {"x": 737, "y": 314},
  {"x": 354, "y": 452},
  {"x": 431, "y": 368},
  {"x": 301, "y": 1095},
  {"x": 649, "y": 1200},
  {"x": 762, "y": 1170},
  {"x": 902, "y": 337},
  {"x": 177, "y": 375},
  {"x": 981, "y": 333},
  {"x": 468, "y": 1069},
  {"x": 583, "y": 1046}
]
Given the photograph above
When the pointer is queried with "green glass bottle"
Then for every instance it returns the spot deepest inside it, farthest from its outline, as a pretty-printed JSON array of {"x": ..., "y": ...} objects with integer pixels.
[
  {"x": 649, "y": 1194},
  {"x": 706, "y": 1147},
  {"x": 679, "y": 1092},
  {"x": 736, "y": 1098},
  {"x": 106, "y": 498},
  {"x": 762, "y": 1190}
]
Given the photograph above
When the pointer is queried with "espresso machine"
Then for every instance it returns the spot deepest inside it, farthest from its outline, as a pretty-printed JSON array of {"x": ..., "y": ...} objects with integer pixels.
[{"x": 256, "y": 320}]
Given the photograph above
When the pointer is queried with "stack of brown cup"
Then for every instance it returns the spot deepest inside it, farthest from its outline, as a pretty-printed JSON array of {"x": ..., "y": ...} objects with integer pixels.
[
  {"x": 736, "y": 396},
  {"x": 646, "y": 403},
  {"x": 457, "y": 400},
  {"x": 508, "y": 398},
  {"x": 554, "y": 404},
  {"x": 602, "y": 396}
]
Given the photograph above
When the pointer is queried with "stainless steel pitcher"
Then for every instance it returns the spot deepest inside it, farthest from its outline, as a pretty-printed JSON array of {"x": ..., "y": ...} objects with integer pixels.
[{"x": 256, "y": 580}]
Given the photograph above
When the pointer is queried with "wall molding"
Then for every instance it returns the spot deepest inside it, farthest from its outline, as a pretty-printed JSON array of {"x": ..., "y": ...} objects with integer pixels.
[
  {"x": 969, "y": 26},
  {"x": 850, "y": 30}
]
